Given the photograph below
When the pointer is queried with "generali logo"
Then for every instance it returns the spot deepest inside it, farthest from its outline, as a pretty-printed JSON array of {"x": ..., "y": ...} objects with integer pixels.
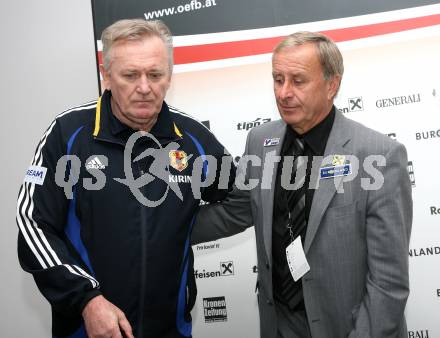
[{"x": 398, "y": 100}]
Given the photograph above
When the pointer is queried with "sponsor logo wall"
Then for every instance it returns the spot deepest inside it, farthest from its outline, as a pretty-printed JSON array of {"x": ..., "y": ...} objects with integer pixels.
[
  {"x": 214, "y": 309},
  {"x": 435, "y": 210},
  {"x": 249, "y": 125},
  {"x": 390, "y": 84},
  {"x": 419, "y": 334}
]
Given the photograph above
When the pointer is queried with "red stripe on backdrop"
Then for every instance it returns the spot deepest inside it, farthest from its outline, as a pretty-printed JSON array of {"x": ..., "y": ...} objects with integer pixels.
[
  {"x": 233, "y": 49},
  {"x": 225, "y": 50}
]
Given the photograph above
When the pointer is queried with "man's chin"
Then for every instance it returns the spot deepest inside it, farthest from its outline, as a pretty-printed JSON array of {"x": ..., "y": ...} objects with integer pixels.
[
  {"x": 291, "y": 116},
  {"x": 144, "y": 114}
]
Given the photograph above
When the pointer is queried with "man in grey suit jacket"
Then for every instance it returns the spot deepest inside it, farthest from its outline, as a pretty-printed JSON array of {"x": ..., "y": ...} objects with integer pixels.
[{"x": 350, "y": 246}]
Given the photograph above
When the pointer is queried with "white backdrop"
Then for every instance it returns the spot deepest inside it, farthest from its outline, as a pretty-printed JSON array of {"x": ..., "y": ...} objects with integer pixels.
[
  {"x": 391, "y": 84},
  {"x": 47, "y": 65},
  {"x": 38, "y": 81}
]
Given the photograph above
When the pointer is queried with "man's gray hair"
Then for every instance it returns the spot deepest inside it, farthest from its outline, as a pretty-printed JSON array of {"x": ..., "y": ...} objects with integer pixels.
[
  {"x": 328, "y": 53},
  {"x": 135, "y": 29}
]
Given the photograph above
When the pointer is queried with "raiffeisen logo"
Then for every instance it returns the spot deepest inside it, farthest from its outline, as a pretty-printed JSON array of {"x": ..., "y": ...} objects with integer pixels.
[
  {"x": 206, "y": 274},
  {"x": 226, "y": 269},
  {"x": 354, "y": 104}
]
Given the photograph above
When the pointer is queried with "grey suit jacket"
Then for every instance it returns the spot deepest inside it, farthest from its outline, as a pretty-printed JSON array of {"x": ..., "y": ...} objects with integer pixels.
[{"x": 357, "y": 235}]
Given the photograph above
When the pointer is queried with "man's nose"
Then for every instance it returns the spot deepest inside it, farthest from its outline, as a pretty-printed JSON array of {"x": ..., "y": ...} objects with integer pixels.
[
  {"x": 286, "y": 91},
  {"x": 143, "y": 85}
]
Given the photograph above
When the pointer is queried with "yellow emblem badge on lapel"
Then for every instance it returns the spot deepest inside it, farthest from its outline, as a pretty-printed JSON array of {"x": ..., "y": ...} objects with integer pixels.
[
  {"x": 178, "y": 159},
  {"x": 338, "y": 160}
]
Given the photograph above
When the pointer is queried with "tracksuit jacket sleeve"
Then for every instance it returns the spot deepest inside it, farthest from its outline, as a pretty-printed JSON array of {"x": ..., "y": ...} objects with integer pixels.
[
  {"x": 229, "y": 217},
  {"x": 224, "y": 172},
  {"x": 44, "y": 249}
]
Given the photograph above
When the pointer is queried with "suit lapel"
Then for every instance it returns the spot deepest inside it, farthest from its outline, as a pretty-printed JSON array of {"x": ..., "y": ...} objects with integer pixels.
[
  {"x": 336, "y": 145},
  {"x": 267, "y": 195}
]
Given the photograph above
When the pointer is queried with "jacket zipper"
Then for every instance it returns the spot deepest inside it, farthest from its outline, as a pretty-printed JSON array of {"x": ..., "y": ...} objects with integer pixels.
[
  {"x": 143, "y": 277},
  {"x": 143, "y": 224}
]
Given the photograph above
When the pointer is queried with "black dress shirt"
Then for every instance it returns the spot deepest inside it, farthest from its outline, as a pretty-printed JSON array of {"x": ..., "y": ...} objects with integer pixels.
[{"x": 315, "y": 141}]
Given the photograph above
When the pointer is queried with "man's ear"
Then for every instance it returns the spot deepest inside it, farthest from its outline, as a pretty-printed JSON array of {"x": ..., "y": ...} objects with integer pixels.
[
  {"x": 334, "y": 84},
  {"x": 105, "y": 83}
]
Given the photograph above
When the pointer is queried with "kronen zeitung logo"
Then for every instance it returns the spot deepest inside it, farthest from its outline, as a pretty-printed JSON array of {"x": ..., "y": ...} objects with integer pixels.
[{"x": 214, "y": 309}]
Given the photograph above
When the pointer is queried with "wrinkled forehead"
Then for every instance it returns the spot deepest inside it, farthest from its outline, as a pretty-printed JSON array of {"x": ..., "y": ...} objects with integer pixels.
[
  {"x": 146, "y": 43},
  {"x": 144, "y": 51},
  {"x": 296, "y": 58},
  {"x": 148, "y": 47},
  {"x": 307, "y": 49}
]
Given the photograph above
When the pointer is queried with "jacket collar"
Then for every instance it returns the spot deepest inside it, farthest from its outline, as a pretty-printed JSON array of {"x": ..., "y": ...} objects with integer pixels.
[
  {"x": 109, "y": 128},
  {"x": 339, "y": 143}
]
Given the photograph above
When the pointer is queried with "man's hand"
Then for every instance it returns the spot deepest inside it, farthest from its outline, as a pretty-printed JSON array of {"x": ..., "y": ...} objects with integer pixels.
[{"x": 105, "y": 320}]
